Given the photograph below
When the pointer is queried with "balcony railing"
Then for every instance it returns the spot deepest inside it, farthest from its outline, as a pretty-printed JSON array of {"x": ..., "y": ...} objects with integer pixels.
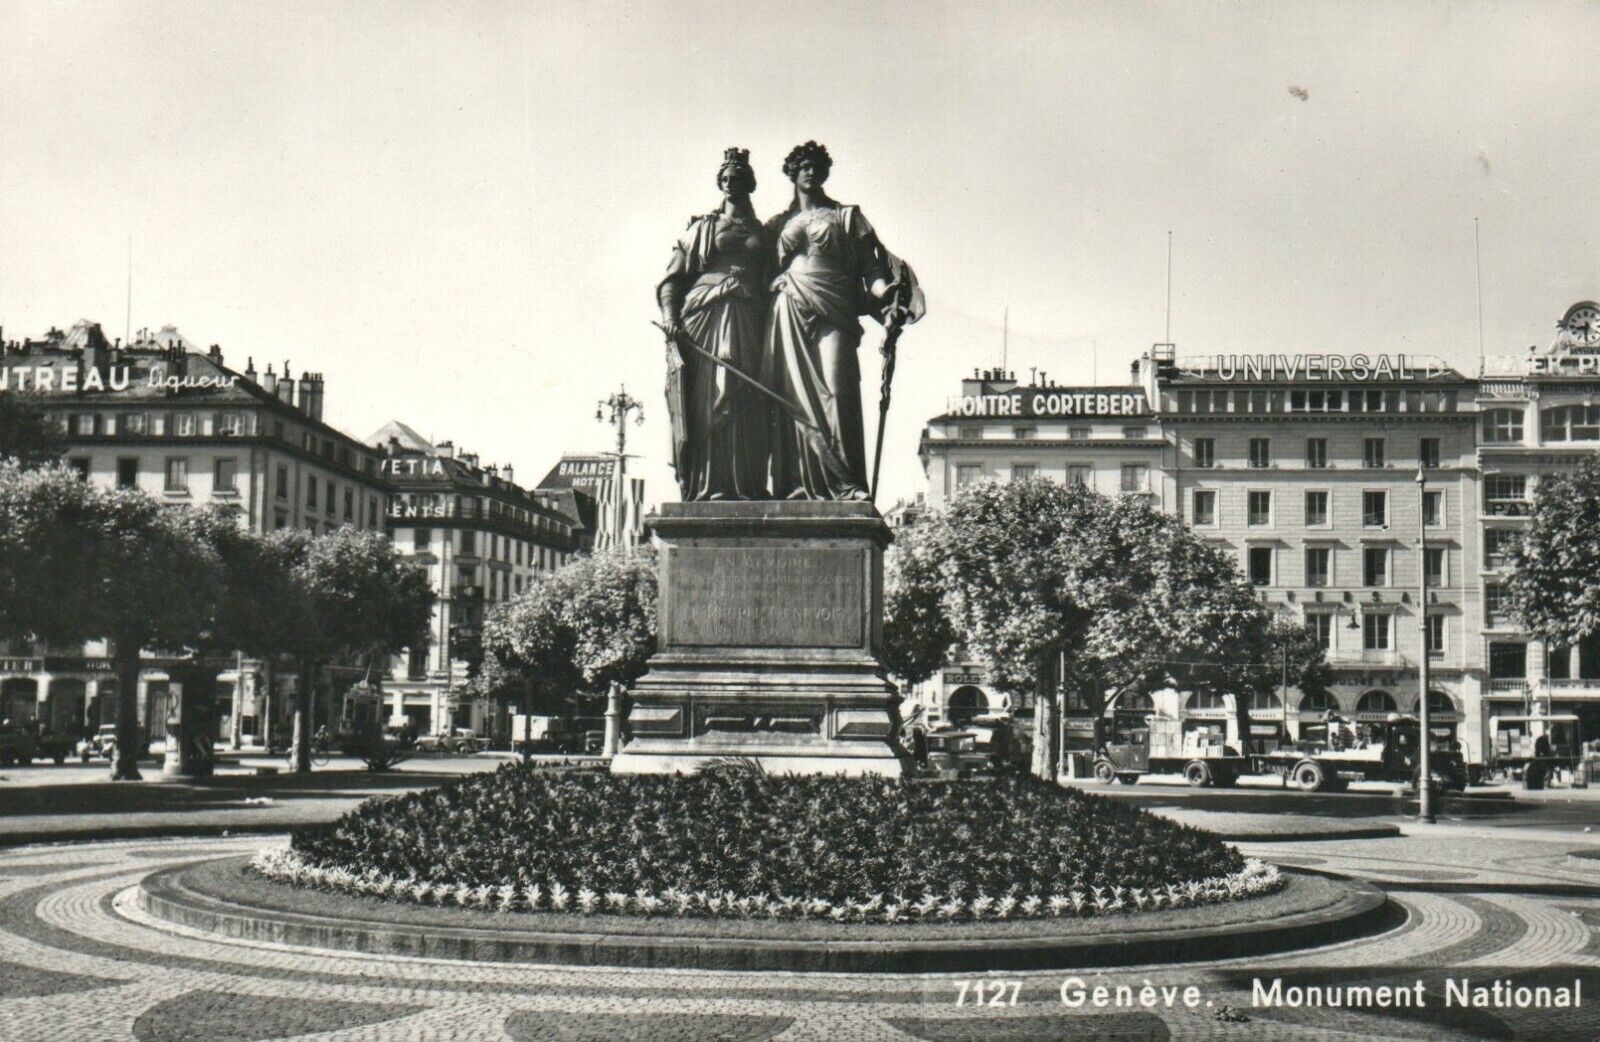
[
  {"x": 1508, "y": 686},
  {"x": 1573, "y": 684}
]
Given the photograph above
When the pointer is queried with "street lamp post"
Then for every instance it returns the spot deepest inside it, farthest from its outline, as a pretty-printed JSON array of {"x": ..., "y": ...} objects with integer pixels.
[
  {"x": 615, "y": 410},
  {"x": 1425, "y": 768}
]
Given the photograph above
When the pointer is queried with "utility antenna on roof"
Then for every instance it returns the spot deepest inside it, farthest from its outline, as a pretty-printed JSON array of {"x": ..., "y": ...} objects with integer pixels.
[
  {"x": 1168, "y": 338},
  {"x": 1477, "y": 264},
  {"x": 127, "y": 315},
  {"x": 1005, "y": 338}
]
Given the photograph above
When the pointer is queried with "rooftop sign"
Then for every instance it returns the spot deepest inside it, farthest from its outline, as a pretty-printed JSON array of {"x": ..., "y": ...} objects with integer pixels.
[
  {"x": 1035, "y": 402},
  {"x": 1559, "y": 364},
  {"x": 1318, "y": 368}
]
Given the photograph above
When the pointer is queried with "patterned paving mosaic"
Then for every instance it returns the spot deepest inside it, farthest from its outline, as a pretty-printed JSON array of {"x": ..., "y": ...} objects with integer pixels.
[{"x": 80, "y": 963}]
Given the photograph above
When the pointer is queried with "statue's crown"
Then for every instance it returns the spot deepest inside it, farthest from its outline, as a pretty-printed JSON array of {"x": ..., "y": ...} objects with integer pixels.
[{"x": 736, "y": 156}]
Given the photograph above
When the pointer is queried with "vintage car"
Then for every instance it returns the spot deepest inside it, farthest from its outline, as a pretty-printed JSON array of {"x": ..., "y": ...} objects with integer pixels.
[
  {"x": 102, "y": 743},
  {"x": 459, "y": 740}
]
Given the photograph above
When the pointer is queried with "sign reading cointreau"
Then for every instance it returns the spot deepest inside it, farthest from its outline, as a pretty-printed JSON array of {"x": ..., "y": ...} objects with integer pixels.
[{"x": 770, "y": 596}]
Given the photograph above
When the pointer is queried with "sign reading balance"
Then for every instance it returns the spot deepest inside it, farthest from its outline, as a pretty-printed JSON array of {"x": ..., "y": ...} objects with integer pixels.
[{"x": 1033, "y": 402}]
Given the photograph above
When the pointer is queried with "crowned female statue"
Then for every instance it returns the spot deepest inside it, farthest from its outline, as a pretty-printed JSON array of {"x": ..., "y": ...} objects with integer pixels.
[
  {"x": 831, "y": 270},
  {"x": 714, "y": 298}
]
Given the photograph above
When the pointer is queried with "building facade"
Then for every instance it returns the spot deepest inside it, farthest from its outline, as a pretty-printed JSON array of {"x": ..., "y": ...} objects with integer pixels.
[
  {"x": 481, "y": 538},
  {"x": 608, "y": 505},
  {"x": 1107, "y": 438},
  {"x": 1334, "y": 482},
  {"x": 163, "y": 416}
]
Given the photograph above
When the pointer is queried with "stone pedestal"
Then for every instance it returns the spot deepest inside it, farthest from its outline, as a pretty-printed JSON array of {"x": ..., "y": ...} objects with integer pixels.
[{"x": 771, "y": 619}]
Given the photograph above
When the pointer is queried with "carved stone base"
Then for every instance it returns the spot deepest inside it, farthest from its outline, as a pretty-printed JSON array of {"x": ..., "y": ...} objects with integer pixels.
[{"x": 771, "y": 617}]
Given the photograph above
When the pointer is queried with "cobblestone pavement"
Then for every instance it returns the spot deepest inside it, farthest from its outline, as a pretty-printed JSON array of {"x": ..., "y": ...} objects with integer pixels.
[{"x": 79, "y": 963}]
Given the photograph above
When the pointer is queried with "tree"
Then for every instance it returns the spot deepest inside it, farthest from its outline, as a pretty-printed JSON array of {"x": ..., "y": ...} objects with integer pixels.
[
  {"x": 585, "y": 627},
  {"x": 256, "y": 613},
  {"x": 80, "y": 563},
  {"x": 351, "y": 595},
  {"x": 1554, "y": 581},
  {"x": 917, "y": 631},
  {"x": 1062, "y": 590},
  {"x": 27, "y": 435}
]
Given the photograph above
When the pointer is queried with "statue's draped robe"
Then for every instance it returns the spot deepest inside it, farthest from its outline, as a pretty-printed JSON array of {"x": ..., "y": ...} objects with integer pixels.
[
  {"x": 828, "y": 258},
  {"x": 718, "y": 276}
]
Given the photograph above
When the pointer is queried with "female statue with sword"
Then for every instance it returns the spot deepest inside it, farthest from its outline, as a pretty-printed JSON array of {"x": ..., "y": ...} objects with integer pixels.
[{"x": 713, "y": 302}]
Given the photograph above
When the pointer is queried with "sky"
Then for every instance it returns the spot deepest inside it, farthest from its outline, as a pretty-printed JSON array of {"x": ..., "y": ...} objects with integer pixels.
[{"x": 458, "y": 212}]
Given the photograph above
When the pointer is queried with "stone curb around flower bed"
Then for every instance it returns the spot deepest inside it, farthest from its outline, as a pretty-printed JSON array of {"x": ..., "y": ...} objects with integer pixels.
[{"x": 1362, "y": 910}]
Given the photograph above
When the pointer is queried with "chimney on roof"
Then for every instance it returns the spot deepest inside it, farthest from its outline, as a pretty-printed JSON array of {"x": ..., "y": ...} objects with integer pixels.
[
  {"x": 215, "y": 354},
  {"x": 250, "y": 369},
  {"x": 447, "y": 449},
  {"x": 469, "y": 458},
  {"x": 505, "y": 472},
  {"x": 286, "y": 385},
  {"x": 311, "y": 395}
]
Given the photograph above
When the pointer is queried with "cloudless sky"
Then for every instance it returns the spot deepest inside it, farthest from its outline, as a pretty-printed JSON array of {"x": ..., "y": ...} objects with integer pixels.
[{"x": 458, "y": 212}]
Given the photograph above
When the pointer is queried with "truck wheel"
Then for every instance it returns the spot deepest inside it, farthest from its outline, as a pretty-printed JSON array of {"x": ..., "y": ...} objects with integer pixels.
[
  {"x": 1128, "y": 779},
  {"x": 1104, "y": 772},
  {"x": 1533, "y": 777},
  {"x": 1224, "y": 779},
  {"x": 1309, "y": 776},
  {"x": 1338, "y": 785},
  {"x": 1197, "y": 774},
  {"x": 59, "y": 758}
]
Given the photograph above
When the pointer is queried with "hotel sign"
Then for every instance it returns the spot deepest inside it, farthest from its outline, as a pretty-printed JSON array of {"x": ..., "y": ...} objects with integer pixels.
[
  {"x": 1035, "y": 402},
  {"x": 1561, "y": 364},
  {"x": 1314, "y": 368}
]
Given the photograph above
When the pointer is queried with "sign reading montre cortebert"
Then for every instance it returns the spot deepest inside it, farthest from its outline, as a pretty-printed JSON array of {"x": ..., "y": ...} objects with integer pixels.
[{"x": 792, "y": 597}]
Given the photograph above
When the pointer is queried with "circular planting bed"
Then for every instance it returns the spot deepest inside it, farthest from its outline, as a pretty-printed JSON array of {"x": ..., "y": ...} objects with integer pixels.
[
  {"x": 734, "y": 868},
  {"x": 225, "y": 898}
]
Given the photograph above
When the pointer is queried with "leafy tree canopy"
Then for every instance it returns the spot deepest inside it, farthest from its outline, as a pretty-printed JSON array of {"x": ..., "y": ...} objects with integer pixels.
[
  {"x": 588, "y": 625},
  {"x": 355, "y": 594},
  {"x": 1554, "y": 585},
  {"x": 27, "y": 435},
  {"x": 1035, "y": 572},
  {"x": 79, "y": 562},
  {"x": 918, "y": 635}
]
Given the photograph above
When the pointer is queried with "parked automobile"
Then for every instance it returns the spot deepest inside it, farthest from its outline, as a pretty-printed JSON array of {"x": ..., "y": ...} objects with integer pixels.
[
  {"x": 102, "y": 743},
  {"x": 459, "y": 740}
]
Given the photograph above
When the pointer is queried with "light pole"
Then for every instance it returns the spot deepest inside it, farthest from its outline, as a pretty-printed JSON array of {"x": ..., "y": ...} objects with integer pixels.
[
  {"x": 1425, "y": 768},
  {"x": 615, "y": 410}
]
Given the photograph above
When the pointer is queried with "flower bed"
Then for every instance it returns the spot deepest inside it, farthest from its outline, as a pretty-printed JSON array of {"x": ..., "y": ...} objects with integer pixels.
[{"x": 730, "y": 843}]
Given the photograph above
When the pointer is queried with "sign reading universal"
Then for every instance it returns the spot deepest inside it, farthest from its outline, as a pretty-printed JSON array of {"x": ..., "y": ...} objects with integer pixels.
[{"x": 1331, "y": 368}]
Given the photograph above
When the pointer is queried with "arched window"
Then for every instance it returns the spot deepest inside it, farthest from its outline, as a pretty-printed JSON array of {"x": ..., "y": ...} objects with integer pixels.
[
  {"x": 1440, "y": 704},
  {"x": 965, "y": 703},
  {"x": 1317, "y": 702},
  {"x": 1377, "y": 702},
  {"x": 1205, "y": 700},
  {"x": 1570, "y": 423},
  {"x": 1265, "y": 700},
  {"x": 1502, "y": 425}
]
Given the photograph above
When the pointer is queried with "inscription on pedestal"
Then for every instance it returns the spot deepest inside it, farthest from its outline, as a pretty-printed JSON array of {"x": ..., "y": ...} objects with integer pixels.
[{"x": 791, "y": 597}]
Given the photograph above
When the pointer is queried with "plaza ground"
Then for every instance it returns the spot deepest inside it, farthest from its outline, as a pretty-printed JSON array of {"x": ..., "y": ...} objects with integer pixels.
[{"x": 1496, "y": 890}]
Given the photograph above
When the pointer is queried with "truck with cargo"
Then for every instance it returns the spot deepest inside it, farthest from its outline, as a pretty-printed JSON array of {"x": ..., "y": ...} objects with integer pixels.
[
  {"x": 1163, "y": 745},
  {"x": 1534, "y": 747},
  {"x": 1387, "y": 751}
]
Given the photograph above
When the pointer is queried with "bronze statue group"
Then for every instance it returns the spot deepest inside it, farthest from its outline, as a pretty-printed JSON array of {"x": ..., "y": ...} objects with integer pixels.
[{"x": 763, "y": 325}]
